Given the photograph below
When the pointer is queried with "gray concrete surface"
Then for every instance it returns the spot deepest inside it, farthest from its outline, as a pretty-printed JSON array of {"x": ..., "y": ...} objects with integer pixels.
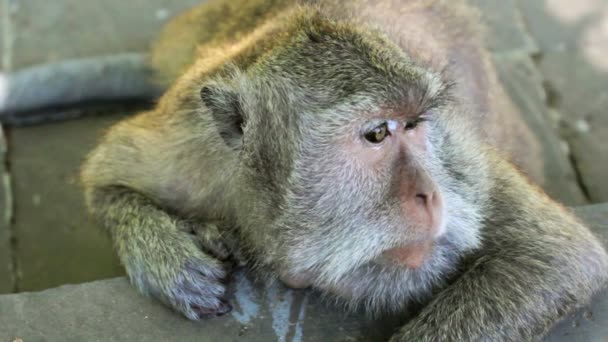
[
  {"x": 46, "y": 31},
  {"x": 111, "y": 310},
  {"x": 512, "y": 48},
  {"x": 524, "y": 84},
  {"x": 506, "y": 29},
  {"x": 57, "y": 242},
  {"x": 573, "y": 41}
]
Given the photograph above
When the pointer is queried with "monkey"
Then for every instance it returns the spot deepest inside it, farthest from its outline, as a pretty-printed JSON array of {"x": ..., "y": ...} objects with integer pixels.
[{"x": 363, "y": 149}]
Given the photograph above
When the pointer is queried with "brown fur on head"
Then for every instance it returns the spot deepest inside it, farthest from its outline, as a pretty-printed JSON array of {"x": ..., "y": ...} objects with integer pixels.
[{"x": 441, "y": 35}]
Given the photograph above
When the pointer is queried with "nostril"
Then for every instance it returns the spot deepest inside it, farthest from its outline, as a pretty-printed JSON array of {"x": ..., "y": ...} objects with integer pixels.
[{"x": 422, "y": 199}]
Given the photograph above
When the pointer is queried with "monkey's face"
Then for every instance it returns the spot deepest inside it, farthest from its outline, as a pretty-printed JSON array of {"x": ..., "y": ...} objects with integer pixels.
[
  {"x": 373, "y": 205},
  {"x": 372, "y": 212},
  {"x": 362, "y": 177}
]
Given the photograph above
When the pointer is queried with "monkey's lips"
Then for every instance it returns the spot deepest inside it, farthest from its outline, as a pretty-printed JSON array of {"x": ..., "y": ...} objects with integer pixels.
[{"x": 411, "y": 256}]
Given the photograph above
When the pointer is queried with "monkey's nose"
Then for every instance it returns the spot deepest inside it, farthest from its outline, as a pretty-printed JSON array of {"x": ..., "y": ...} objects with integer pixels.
[{"x": 427, "y": 212}]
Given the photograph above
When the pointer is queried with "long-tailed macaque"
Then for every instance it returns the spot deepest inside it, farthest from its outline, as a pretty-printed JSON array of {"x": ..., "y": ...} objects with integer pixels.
[{"x": 361, "y": 148}]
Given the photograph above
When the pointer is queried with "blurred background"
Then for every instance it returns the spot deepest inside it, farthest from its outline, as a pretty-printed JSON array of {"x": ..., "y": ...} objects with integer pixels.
[{"x": 552, "y": 56}]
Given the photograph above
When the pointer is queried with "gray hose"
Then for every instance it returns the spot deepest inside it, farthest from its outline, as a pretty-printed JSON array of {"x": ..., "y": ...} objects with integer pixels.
[{"x": 67, "y": 83}]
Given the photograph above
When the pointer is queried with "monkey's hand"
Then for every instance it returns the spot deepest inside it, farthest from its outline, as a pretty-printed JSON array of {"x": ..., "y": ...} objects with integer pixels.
[
  {"x": 211, "y": 240},
  {"x": 536, "y": 264},
  {"x": 162, "y": 256}
]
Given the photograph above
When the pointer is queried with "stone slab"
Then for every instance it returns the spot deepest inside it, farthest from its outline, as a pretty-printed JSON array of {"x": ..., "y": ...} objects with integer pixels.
[
  {"x": 523, "y": 82},
  {"x": 57, "y": 243},
  {"x": 3, "y": 23},
  {"x": 565, "y": 24},
  {"x": 48, "y": 31},
  {"x": 581, "y": 86},
  {"x": 505, "y": 27},
  {"x": 111, "y": 310},
  {"x": 590, "y": 150},
  {"x": 573, "y": 36}
]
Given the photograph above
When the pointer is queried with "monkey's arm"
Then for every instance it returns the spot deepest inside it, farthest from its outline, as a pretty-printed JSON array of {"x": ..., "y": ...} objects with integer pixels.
[
  {"x": 24, "y": 93},
  {"x": 138, "y": 184},
  {"x": 537, "y": 263}
]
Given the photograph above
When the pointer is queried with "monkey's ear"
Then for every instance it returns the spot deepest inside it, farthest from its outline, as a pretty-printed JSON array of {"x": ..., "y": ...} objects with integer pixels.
[{"x": 227, "y": 112}]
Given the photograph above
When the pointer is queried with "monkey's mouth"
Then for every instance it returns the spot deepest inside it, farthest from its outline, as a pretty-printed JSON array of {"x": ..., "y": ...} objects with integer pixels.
[{"x": 411, "y": 256}]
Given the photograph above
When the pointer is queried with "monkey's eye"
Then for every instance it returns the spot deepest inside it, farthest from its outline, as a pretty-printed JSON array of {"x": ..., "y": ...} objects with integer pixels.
[
  {"x": 378, "y": 134},
  {"x": 414, "y": 123}
]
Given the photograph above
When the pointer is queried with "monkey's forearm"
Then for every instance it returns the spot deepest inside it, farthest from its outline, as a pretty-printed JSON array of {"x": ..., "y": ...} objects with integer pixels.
[
  {"x": 489, "y": 303},
  {"x": 161, "y": 258},
  {"x": 506, "y": 298},
  {"x": 537, "y": 264},
  {"x": 115, "y": 77}
]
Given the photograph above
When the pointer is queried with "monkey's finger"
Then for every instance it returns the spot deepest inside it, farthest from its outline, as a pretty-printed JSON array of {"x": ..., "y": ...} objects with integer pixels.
[
  {"x": 205, "y": 312},
  {"x": 207, "y": 268}
]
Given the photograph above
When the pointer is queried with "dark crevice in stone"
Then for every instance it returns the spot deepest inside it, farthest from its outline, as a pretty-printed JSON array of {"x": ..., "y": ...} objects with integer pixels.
[
  {"x": 579, "y": 176},
  {"x": 553, "y": 96},
  {"x": 10, "y": 213}
]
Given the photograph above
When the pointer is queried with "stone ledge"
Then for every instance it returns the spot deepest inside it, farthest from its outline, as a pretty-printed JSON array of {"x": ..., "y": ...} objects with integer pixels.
[{"x": 110, "y": 310}]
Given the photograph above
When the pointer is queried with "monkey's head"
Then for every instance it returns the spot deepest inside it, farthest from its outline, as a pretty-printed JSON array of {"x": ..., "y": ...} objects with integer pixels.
[{"x": 354, "y": 173}]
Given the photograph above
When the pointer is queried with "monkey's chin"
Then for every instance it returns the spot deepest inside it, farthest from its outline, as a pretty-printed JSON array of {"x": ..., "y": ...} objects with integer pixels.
[
  {"x": 295, "y": 281},
  {"x": 411, "y": 256}
]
